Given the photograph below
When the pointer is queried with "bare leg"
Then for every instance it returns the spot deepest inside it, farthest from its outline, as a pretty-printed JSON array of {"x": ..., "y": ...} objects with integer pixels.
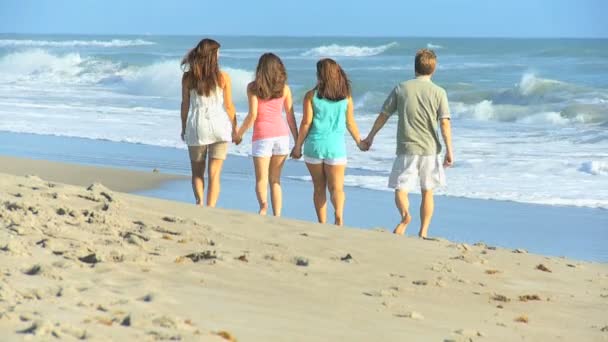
[
  {"x": 198, "y": 181},
  {"x": 320, "y": 184},
  {"x": 335, "y": 184},
  {"x": 426, "y": 212},
  {"x": 403, "y": 203},
  {"x": 214, "y": 173},
  {"x": 261, "y": 182},
  {"x": 274, "y": 176}
]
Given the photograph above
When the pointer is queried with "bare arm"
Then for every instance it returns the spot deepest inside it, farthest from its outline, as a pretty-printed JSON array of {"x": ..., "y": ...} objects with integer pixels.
[
  {"x": 351, "y": 124},
  {"x": 228, "y": 104},
  {"x": 378, "y": 124},
  {"x": 185, "y": 107},
  {"x": 291, "y": 118},
  {"x": 304, "y": 126},
  {"x": 388, "y": 108},
  {"x": 252, "y": 115},
  {"x": 446, "y": 132}
]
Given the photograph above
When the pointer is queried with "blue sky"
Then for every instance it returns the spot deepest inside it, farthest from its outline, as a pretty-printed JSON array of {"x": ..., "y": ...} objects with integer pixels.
[{"x": 431, "y": 18}]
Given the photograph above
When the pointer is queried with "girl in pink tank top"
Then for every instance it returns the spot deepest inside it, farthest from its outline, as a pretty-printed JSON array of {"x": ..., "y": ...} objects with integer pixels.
[
  {"x": 270, "y": 123},
  {"x": 269, "y": 96}
]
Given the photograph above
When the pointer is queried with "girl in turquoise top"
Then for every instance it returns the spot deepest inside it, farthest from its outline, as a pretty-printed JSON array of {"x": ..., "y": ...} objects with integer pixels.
[{"x": 328, "y": 113}]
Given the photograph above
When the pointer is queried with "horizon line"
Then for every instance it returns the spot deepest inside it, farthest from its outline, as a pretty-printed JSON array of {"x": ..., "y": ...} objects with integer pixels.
[{"x": 298, "y": 36}]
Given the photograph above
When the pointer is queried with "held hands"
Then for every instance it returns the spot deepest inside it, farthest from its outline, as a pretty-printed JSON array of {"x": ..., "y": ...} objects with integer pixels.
[
  {"x": 365, "y": 144},
  {"x": 236, "y": 138},
  {"x": 296, "y": 152}
]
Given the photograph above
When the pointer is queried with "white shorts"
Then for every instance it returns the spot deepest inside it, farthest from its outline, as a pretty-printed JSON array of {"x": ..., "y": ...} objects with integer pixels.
[
  {"x": 278, "y": 146},
  {"x": 408, "y": 168},
  {"x": 329, "y": 161}
]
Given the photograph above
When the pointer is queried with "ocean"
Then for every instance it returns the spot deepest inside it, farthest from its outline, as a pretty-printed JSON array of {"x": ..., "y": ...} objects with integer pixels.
[{"x": 530, "y": 116}]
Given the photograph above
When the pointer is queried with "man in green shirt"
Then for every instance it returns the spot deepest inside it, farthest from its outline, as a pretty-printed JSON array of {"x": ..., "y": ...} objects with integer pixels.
[{"x": 420, "y": 105}]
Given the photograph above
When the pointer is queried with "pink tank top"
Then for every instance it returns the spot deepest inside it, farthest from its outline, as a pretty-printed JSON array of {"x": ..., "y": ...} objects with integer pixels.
[{"x": 270, "y": 122}]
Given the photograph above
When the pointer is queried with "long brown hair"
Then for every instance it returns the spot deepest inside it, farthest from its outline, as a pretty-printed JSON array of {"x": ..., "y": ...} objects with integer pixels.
[
  {"x": 202, "y": 67},
  {"x": 332, "y": 82},
  {"x": 270, "y": 77}
]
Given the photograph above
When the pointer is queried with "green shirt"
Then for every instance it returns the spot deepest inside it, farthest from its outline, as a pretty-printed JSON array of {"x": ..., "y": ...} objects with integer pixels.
[{"x": 420, "y": 104}]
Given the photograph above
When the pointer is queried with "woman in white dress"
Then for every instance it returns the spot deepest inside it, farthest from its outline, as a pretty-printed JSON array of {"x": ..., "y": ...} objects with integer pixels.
[{"x": 208, "y": 117}]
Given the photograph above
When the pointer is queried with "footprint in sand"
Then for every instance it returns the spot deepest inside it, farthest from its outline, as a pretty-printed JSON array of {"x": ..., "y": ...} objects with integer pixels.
[
  {"x": 134, "y": 238},
  {"x": 392, "y": 291},
  {"x": 126, "y": 322},
  {"x": 347, "y": 258},
  {"x": 301, "y": 261},
  {"x": 526, "y": 298},
  {"x": 492, "y": 272},
  {"x": 412, "y": 314},
  {"x": 500, "y": 298},
  {"x": 242, "y": 258},
  {"x": 33, "y": 270},
  {"x": 469, "y": 333},
  {"x": 90, "y": 259},
  {"x": 543, "y": 268},
  {"x": 172, "y": 219},
  {"x": 147, "y": 298},
  {"x": 226, "y": 336},
  {"x": 199, "y": 256},
  {"x": 165, "y": 231}
]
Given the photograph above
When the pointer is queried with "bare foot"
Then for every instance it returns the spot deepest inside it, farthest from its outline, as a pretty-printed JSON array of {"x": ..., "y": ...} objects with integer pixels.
[
  {"x": 263, "y": 209},
  {"x": 338, "y": 221},
  {"x": 402, "y": 226},
  {"x": 200, "y": 204},
  {"x": 422, "y": 234}
]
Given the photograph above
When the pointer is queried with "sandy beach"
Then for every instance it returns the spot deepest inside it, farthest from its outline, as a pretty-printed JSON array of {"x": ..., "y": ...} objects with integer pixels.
[
  {"x": 76, "y": 174},
  {"x": 89, "y": 262}
]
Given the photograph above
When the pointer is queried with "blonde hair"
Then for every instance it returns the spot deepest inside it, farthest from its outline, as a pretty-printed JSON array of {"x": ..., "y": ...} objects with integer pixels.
[{"x": 425, "y": 62}]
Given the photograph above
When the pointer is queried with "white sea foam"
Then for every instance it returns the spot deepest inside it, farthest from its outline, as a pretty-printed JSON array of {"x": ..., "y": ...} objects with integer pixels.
[
  {"x": 433, "y": 46},
  {"x": 531, "y": 84},
  {"x": 162, "y": 78},
  {"x": 114, "y": 43},
  {"x": 36, "y": 62},
  {"x": 240, "y": 79},
  {"x": 595, "y": 167},
  {"x": 158, "y": 79},
  {"x": 514, "y": 144},
  {"x": 335, "y": 50},
  {"x": 40, "y": 66},
  {"x": 553, "y": 118}
]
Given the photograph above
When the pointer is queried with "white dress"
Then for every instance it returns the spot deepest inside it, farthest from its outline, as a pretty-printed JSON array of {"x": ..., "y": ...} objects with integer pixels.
[{"x": 208, "y": 120}]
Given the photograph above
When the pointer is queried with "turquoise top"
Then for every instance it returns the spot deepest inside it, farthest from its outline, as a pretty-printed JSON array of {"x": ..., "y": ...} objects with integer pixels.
[{"x": 325, "y": 139}]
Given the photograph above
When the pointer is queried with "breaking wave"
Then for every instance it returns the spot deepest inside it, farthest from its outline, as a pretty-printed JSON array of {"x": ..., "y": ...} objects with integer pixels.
[{"x": 336, "y": 50}]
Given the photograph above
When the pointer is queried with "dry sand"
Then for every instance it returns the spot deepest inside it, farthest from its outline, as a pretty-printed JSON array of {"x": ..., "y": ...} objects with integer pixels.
[{"x": 99, "y": 265}]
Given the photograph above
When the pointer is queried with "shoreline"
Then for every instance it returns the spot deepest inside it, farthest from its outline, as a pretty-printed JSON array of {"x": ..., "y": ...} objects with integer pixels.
[
  {"x": 122, "y": 180},
  {"x": 574, "y": 232},
  {"x": 179, "y": 167},
  {"x": 102, "y": 265}
]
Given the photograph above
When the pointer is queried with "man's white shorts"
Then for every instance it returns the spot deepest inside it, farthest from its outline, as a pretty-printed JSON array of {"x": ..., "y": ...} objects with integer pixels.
[
  {"x": 407, "y": 169},
  {"x": 278, "y": 146}
]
